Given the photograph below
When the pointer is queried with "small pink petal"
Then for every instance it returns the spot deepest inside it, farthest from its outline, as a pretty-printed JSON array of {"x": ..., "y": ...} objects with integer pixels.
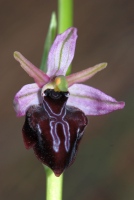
[
  {"x": 92, "y": 101},
  {"x": 39, "y": 76},
  {"x": 27, "y": 96},
  {"x": 85, "y": 74},
  {"x": 61, "y": 53}
]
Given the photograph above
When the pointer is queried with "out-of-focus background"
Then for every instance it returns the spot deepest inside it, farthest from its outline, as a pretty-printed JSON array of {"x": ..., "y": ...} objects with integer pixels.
[{"x": 104, "y": 168}]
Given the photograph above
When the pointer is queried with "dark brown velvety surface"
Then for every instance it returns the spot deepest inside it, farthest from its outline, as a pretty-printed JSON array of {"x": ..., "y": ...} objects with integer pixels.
[
  {"x": 104, "y": 167},
  {"x": 54, "y": 130}
]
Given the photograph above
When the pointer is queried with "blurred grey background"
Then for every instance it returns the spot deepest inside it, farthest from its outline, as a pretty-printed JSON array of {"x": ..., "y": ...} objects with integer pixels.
[{"x": 104, "y": 168}]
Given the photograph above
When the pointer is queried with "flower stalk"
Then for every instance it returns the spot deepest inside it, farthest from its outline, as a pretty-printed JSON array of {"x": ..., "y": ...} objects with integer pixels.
[
  {"x": 53, "y": 185},
  {"x": 65, "y": 15},
  {"x": 65, "y": 18}
]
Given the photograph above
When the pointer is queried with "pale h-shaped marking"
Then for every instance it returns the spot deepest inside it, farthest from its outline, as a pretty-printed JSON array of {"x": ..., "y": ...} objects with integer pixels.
[{"x": 56, "y": 119}]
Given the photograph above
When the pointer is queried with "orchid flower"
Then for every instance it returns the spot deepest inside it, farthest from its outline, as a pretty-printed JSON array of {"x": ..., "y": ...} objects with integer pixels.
[{"x": 56, "y": 105}]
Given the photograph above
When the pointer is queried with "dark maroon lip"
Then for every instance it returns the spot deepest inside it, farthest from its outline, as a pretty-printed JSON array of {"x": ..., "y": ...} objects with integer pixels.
[{"x": 54, "y": 131}]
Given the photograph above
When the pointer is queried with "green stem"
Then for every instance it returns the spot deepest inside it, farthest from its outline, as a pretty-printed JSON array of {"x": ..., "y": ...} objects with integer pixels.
[
  {"x": 53, "y": 185},
  {"x": 65, "y": 18},
  {"x": 65, "y": 15}
]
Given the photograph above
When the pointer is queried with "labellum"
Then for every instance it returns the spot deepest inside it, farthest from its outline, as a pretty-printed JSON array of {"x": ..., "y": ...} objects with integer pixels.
[{"x": 54, "y": 130}]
